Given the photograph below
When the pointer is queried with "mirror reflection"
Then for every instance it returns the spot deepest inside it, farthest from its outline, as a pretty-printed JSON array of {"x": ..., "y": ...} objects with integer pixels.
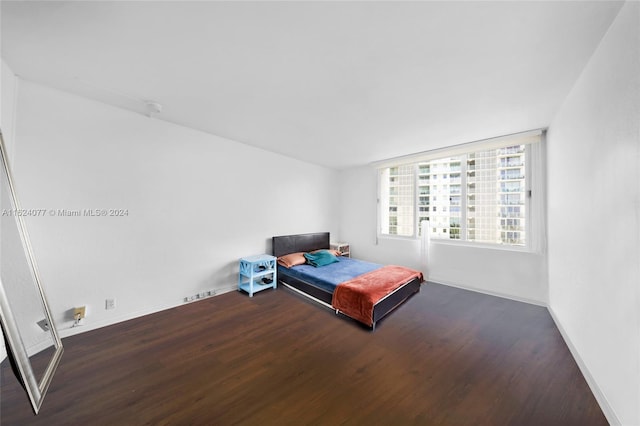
[
  {"x": 31, "y": 338},
  {"x": 21, "y": 290}
]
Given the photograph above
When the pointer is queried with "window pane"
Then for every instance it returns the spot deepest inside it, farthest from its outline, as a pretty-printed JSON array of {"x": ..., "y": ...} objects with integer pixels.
[
  {"x": 496, "y": 196},
  {"x": 397, "y": 199},
  {"x": 443, "y": 199}
]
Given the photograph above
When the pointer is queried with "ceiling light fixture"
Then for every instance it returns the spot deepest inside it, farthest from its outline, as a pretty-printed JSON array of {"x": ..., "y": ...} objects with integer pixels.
[
  {"x": 124, "y": 100},
  {"x": 153, "y": 108}
]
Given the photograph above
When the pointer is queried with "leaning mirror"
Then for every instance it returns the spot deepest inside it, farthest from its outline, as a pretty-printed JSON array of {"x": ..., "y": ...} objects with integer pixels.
[{"x": 32, "y": 342}]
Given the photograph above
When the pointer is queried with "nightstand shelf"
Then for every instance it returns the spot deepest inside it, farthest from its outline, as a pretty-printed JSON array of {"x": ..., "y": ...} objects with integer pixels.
[{"x": 253, "y": 269}]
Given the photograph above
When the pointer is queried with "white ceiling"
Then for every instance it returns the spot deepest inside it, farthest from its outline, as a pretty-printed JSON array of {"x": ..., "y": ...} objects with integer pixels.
[{"x": 338, "y": 84}]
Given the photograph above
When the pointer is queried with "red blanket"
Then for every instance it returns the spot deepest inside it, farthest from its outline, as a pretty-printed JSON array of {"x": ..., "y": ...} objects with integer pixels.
[{"x": 357, "y": 297}]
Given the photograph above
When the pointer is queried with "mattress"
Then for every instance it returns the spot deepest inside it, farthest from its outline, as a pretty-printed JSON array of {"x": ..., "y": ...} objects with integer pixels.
[{"x": 328, "y": 277}]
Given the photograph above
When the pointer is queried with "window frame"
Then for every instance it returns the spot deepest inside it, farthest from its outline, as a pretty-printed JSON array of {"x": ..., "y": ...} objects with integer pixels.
[{"x": 528, "y": 139}]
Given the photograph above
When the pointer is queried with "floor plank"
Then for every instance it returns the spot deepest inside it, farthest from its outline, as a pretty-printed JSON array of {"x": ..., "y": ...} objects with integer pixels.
[{"x": 446, "y": 357}]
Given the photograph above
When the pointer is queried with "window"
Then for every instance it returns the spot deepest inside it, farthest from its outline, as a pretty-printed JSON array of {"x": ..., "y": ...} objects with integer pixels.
[
  {"x": 482, "y": 194},
  {"x": 399, "y": 185}
]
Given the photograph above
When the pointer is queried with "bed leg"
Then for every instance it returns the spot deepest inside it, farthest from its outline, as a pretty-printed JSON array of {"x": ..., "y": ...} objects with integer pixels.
[
  {"x": 337, "y": 312},
  {"x": 373, "y": 327}
]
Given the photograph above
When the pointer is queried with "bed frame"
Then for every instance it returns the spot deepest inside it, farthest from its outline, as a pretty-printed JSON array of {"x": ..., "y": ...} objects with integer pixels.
[{"x": 286, "y": 244}]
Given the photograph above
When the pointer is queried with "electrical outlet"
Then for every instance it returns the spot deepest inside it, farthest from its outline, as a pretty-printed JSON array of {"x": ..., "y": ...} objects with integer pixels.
[
  {"x": 199, "y": 296},
  {"x": 79, "y": 313},
  {"x": 44, "y": 324},
  {"x": 110, "y": 304}
]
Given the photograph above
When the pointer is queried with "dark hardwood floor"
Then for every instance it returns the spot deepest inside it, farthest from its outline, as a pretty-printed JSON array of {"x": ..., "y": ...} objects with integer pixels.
[{"x": 446, "y": 357}]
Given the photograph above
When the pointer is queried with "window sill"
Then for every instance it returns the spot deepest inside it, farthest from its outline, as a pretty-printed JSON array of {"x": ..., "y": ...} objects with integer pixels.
[
  {"x": 396, "y": 237},
  {"x": 471, "y": 244},
  {"x": 458, "y": 243}
]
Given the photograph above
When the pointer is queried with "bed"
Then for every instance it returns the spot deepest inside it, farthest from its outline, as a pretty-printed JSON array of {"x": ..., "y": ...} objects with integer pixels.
[{"x": 364, "y": 291}]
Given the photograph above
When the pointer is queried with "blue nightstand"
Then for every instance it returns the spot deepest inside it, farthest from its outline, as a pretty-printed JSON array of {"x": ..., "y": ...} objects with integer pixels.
[{"x": 253, "y": 271}]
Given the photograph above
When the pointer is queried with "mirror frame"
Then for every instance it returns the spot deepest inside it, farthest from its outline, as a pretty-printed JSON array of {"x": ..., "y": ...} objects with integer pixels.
[{"x": 16, "y": 350}]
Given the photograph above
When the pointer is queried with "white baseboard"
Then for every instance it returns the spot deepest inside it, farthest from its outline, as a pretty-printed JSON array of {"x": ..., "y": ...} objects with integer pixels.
[
  {"x": 491, "y": 293},
  {"x": 71, "y": 331},
  {"x": 606, "y": 408}
]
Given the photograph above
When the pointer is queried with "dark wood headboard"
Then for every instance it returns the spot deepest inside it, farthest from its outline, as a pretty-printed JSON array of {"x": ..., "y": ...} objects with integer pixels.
[{"x": 285, "y": 244}]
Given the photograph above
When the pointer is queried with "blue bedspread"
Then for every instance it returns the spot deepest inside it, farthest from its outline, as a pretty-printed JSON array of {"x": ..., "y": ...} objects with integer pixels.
[{"x": 329, "y": 276}]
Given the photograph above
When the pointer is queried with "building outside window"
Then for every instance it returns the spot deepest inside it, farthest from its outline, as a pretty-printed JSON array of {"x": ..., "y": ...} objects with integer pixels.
[{"x": 481, "y": 196}]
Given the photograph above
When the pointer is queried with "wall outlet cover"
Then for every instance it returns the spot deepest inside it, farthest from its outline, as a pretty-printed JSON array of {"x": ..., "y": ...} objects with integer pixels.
[
  {"x": 44, "y": 324},
  {"x": 79, "y": 313}
]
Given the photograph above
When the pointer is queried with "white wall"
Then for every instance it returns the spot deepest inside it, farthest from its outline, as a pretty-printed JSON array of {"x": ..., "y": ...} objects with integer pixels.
[
  {"x": 8, "y": 88},
  {"x": 8, "y": 91},
  {"x": 517, "y": 275},
  {"x": 196, "y": 203},
  {"x": 594, "y": 216}
]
